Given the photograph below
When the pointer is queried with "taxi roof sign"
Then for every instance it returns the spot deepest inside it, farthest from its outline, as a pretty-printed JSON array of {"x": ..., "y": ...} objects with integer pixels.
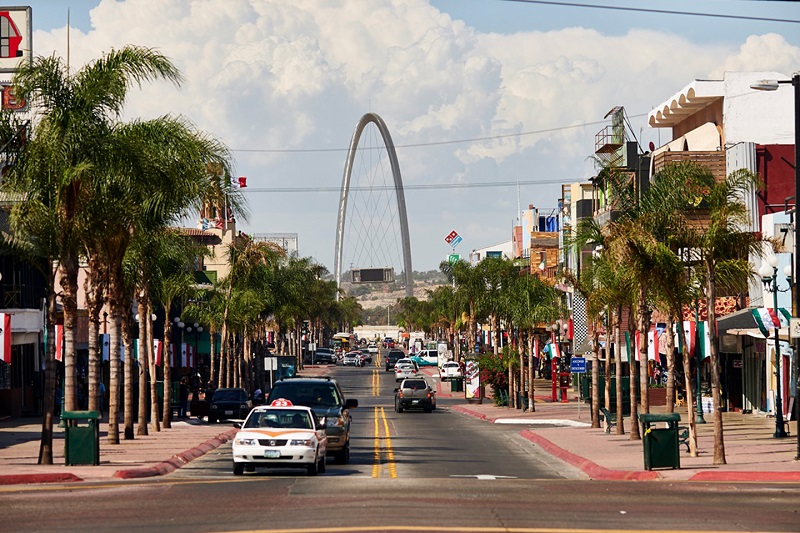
[{"x": 281, "y": 402}]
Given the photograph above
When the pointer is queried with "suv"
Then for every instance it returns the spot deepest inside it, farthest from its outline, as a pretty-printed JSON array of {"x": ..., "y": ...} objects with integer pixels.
[
  {"x": 325, "y": 398},
  {"x": 323, "y": 356},
  {"x": 392, "y": 357}
]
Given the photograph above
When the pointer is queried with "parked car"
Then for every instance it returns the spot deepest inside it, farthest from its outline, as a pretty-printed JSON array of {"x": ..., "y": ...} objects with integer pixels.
[
  {"x": 392, "y": 357},
  {"x": 229, "y": 404},
  {"x": 325, "y": 398},
  {"x": 414, "y": 393},
  {"x": 324, "y": 356},
  {"x": 280, "y": 435},
  {"x": 449, "y": 371}
]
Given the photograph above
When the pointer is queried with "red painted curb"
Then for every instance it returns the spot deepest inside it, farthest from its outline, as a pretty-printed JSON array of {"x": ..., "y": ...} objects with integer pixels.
[
  {"x": 747, "y": 476},
  {"x": 593, "y": 470},
  {"x": 177, "y": 460},
  {"x": 22, "y": 479}
]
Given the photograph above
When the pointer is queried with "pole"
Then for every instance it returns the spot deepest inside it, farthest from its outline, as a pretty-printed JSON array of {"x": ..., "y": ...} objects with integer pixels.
[
  {"x": 699, "y": 419},
  {"x": 796, "y": 84},
  {"x": 780, "y": 432}
]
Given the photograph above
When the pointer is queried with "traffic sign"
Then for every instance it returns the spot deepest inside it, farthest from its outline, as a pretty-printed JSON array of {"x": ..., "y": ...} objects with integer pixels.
[{"x": 578, "y": 365}]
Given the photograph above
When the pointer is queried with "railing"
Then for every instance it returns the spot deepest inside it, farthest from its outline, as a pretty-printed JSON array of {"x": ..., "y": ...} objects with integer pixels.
[{"x": 715, "y": 161}]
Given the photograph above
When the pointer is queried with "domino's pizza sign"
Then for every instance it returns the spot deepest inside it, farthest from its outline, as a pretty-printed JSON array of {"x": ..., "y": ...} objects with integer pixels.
[{"x": 453, "y": 238}]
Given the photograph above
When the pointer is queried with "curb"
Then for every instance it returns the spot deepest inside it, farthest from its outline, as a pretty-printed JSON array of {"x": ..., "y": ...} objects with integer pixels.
[
  {"x": 591, "y": 469},
  {"x": 178, "y": 460},
  {"x": 752, "y": 476},
  {"x": 22, "y": 479}
]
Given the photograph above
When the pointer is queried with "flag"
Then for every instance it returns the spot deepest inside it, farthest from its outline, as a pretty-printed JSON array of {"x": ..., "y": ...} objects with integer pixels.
[
  {"x": 5, "y": 337},
  {"x": 105, "y": 345},
  {"x": 158, "y": 351},
  {"x": 652, "y": 344},
  {"x": 536, "y": 348},
  {"x": 183, "y": 355},
  {"x": 242, "y": 181},
  {"x": 59, "y": 342},
  {"x": 769, "y": 319},
  {"x": 625, "y": 349}
]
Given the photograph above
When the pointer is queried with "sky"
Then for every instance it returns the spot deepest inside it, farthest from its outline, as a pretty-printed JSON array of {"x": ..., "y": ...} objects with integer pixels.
[{"x": 492, "y": 105}]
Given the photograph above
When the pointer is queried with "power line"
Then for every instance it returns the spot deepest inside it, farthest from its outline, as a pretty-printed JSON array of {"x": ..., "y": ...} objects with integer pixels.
[
  {"x": 425, "y": 187},
  {"x": 432, "y": 143},
  {"x": 657, "y": 11}
]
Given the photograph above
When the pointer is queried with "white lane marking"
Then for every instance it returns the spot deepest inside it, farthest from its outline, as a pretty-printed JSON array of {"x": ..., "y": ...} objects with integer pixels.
[{"x": 489, "y": 477}]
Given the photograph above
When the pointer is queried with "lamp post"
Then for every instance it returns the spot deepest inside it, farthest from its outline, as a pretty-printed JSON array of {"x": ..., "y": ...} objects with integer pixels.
[
  {"x": 772, "y": 85},
  {"x": 769, "y": 276}
]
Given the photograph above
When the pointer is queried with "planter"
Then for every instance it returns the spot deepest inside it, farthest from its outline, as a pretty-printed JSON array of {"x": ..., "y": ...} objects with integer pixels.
[{"x": 657, "y": 396}]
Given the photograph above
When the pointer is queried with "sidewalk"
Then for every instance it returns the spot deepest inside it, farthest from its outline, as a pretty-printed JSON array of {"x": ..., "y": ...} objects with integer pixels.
[
  {"x": 564, "y": 430},
  {"x": 561, "y": 429}
]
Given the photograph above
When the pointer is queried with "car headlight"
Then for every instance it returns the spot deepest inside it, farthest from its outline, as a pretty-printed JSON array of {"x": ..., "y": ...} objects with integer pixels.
[
  {"x": 301, "y": 442},
  {"x": 214, "y": 406},
  {"x": 334, "y": 422},
  {"x": 245, "y": 442}
]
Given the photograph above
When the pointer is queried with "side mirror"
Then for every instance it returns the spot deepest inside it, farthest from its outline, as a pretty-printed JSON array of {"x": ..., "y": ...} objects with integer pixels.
[
  {"x": 350, "y": 404},
  {"x": 395, "y": 390},
  {"x": 237, "y": 425}
]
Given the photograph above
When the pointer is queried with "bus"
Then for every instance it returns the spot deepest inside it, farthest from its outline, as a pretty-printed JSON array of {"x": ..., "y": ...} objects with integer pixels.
[{"x": 343, "y": 343}]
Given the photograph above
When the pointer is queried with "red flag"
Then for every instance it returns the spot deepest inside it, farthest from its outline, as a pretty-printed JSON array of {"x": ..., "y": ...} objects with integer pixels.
[
  {"x": 242, "y": 181},
  {"x": 5, "y": 337},
  {"x": 158, "y": 349},
  {"x": 59, "y": 342}
]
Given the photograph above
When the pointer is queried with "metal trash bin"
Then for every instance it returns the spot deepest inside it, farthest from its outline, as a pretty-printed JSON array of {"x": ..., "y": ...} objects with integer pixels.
[
  {"x": 457, "y": 385},
  {"x": 82, "y": 442},
  {"x": 660, "y": 443}
]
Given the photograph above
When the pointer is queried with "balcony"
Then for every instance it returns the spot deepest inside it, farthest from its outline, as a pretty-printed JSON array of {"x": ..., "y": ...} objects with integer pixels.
[{"x": 714, "y": 161}]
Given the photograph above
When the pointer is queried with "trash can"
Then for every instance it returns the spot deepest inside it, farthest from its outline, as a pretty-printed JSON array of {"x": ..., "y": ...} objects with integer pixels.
[
  {"x": 82, "y": 442},
  {"x": 456, "y": 385},
  {"x": 660, "y": 443}
]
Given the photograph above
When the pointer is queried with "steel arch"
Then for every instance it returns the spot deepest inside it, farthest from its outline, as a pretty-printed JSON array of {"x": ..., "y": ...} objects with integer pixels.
[{"x": 399, "y": 194}]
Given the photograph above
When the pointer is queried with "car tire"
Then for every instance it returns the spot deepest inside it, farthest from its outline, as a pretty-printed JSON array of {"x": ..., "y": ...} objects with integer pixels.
[
  {"x": 312, "y": 469},
  {"x": 427, "y": 409},
  {"x": 343, "y": 455},
  {"x": 399, "y": 407},
  {"x": 238, "y": 469}
]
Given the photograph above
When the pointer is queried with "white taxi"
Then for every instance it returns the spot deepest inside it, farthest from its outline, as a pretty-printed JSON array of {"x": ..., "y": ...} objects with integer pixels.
[{"x": 280, "y": 435}]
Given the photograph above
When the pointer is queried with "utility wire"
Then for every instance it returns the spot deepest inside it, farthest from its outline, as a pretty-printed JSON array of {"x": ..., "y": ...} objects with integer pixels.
[{"x": 658, "y": 11}]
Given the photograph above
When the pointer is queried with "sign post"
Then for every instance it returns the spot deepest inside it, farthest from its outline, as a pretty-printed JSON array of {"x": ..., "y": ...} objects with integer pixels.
[{"x": 578, "y": 366}]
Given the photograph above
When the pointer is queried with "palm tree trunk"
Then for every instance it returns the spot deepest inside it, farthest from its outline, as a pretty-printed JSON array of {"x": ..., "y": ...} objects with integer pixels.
[
  {"x": 618, "y": 373},
  {"x": 69, "y": 299},
  {"x": 151, "y": 359},
  {"x": 212, "y": 354},
  {"x": 117, "y": 325},
  {"x": 142, "y": 427},
  {"x": 46, "y": 445},
  {"x": 634, "y": 434},
  {"x": 670, "y": 348},
  {"x": 687, "y": 376},
  {"x": 123, "y": 321},
  {"x": 719, "y": 442},
  {"x": 596, "y": 376},
  {"x": 531, "y": 372},
  {"x": 643, "y": 325},
  {"x": 166, "y": 415}
]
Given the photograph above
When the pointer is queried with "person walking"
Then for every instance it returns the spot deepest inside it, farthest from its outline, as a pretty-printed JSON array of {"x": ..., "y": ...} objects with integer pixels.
[{"x": 183, "y": 395}]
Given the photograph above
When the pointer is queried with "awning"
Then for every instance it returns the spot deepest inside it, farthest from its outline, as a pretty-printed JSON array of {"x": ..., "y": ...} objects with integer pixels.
[
  {"x": 756, "y": 333},
  {"x": 740, "y": 320}
]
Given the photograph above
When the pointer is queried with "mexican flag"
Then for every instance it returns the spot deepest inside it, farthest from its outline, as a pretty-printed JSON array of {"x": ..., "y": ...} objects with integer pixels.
[{"x": 769, "y": 319}]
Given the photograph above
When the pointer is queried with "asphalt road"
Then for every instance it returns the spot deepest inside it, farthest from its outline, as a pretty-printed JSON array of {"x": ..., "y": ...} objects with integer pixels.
[{"x": 414, "y": 471}]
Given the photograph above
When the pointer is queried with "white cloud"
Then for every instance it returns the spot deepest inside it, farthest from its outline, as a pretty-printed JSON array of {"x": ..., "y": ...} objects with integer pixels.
[{"x": 290, "y": 74}]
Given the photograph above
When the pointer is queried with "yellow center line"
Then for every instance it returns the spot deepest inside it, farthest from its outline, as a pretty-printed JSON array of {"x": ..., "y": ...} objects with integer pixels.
[
  {"x": 389, "y": 449},
  {"x": 376, "y": 466}
]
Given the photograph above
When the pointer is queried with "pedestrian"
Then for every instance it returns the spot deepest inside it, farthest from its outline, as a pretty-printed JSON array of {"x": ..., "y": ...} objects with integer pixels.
[
  {"x": 183, "y": 394},
  {"x": 101, "y": 398}
]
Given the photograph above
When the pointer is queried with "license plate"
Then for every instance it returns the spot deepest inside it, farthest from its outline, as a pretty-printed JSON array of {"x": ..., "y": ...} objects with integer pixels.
[
  {"x": 272, "y": 454},
  {"x": 229, "y": 412},
  {"x": 415, "y": 401}
]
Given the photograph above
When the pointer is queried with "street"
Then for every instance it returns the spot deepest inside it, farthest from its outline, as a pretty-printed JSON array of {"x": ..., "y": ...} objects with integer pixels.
[{"x": 441, "y": 471}]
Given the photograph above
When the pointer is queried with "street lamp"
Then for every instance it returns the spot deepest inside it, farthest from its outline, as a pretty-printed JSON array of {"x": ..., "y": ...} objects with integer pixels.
[
  {"x": 772, "y": 85},
  {"x": 769, "y": 277}
]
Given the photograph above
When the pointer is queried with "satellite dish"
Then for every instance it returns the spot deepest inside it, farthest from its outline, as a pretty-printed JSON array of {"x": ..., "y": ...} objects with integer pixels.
[{"x": 652, "y": 146}]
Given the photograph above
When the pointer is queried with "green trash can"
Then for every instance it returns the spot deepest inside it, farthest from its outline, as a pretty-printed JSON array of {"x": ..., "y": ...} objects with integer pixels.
[
  {"x": 82, "y": 442},
  {"x": 660, "y": 443},
  {"x": 457, "y": 385}
]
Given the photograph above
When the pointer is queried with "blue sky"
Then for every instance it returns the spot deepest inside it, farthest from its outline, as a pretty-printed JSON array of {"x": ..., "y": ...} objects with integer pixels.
[{"x": 476, "y": 94}]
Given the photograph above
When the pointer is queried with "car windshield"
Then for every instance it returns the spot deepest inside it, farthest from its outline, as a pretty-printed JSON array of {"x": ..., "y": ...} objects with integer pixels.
[
  {"x": 229, "y": 396},
  {"x": 415, "y": 385},
  {"x": 279, "y": 418},
  {"x": 310, "y": 395}
]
